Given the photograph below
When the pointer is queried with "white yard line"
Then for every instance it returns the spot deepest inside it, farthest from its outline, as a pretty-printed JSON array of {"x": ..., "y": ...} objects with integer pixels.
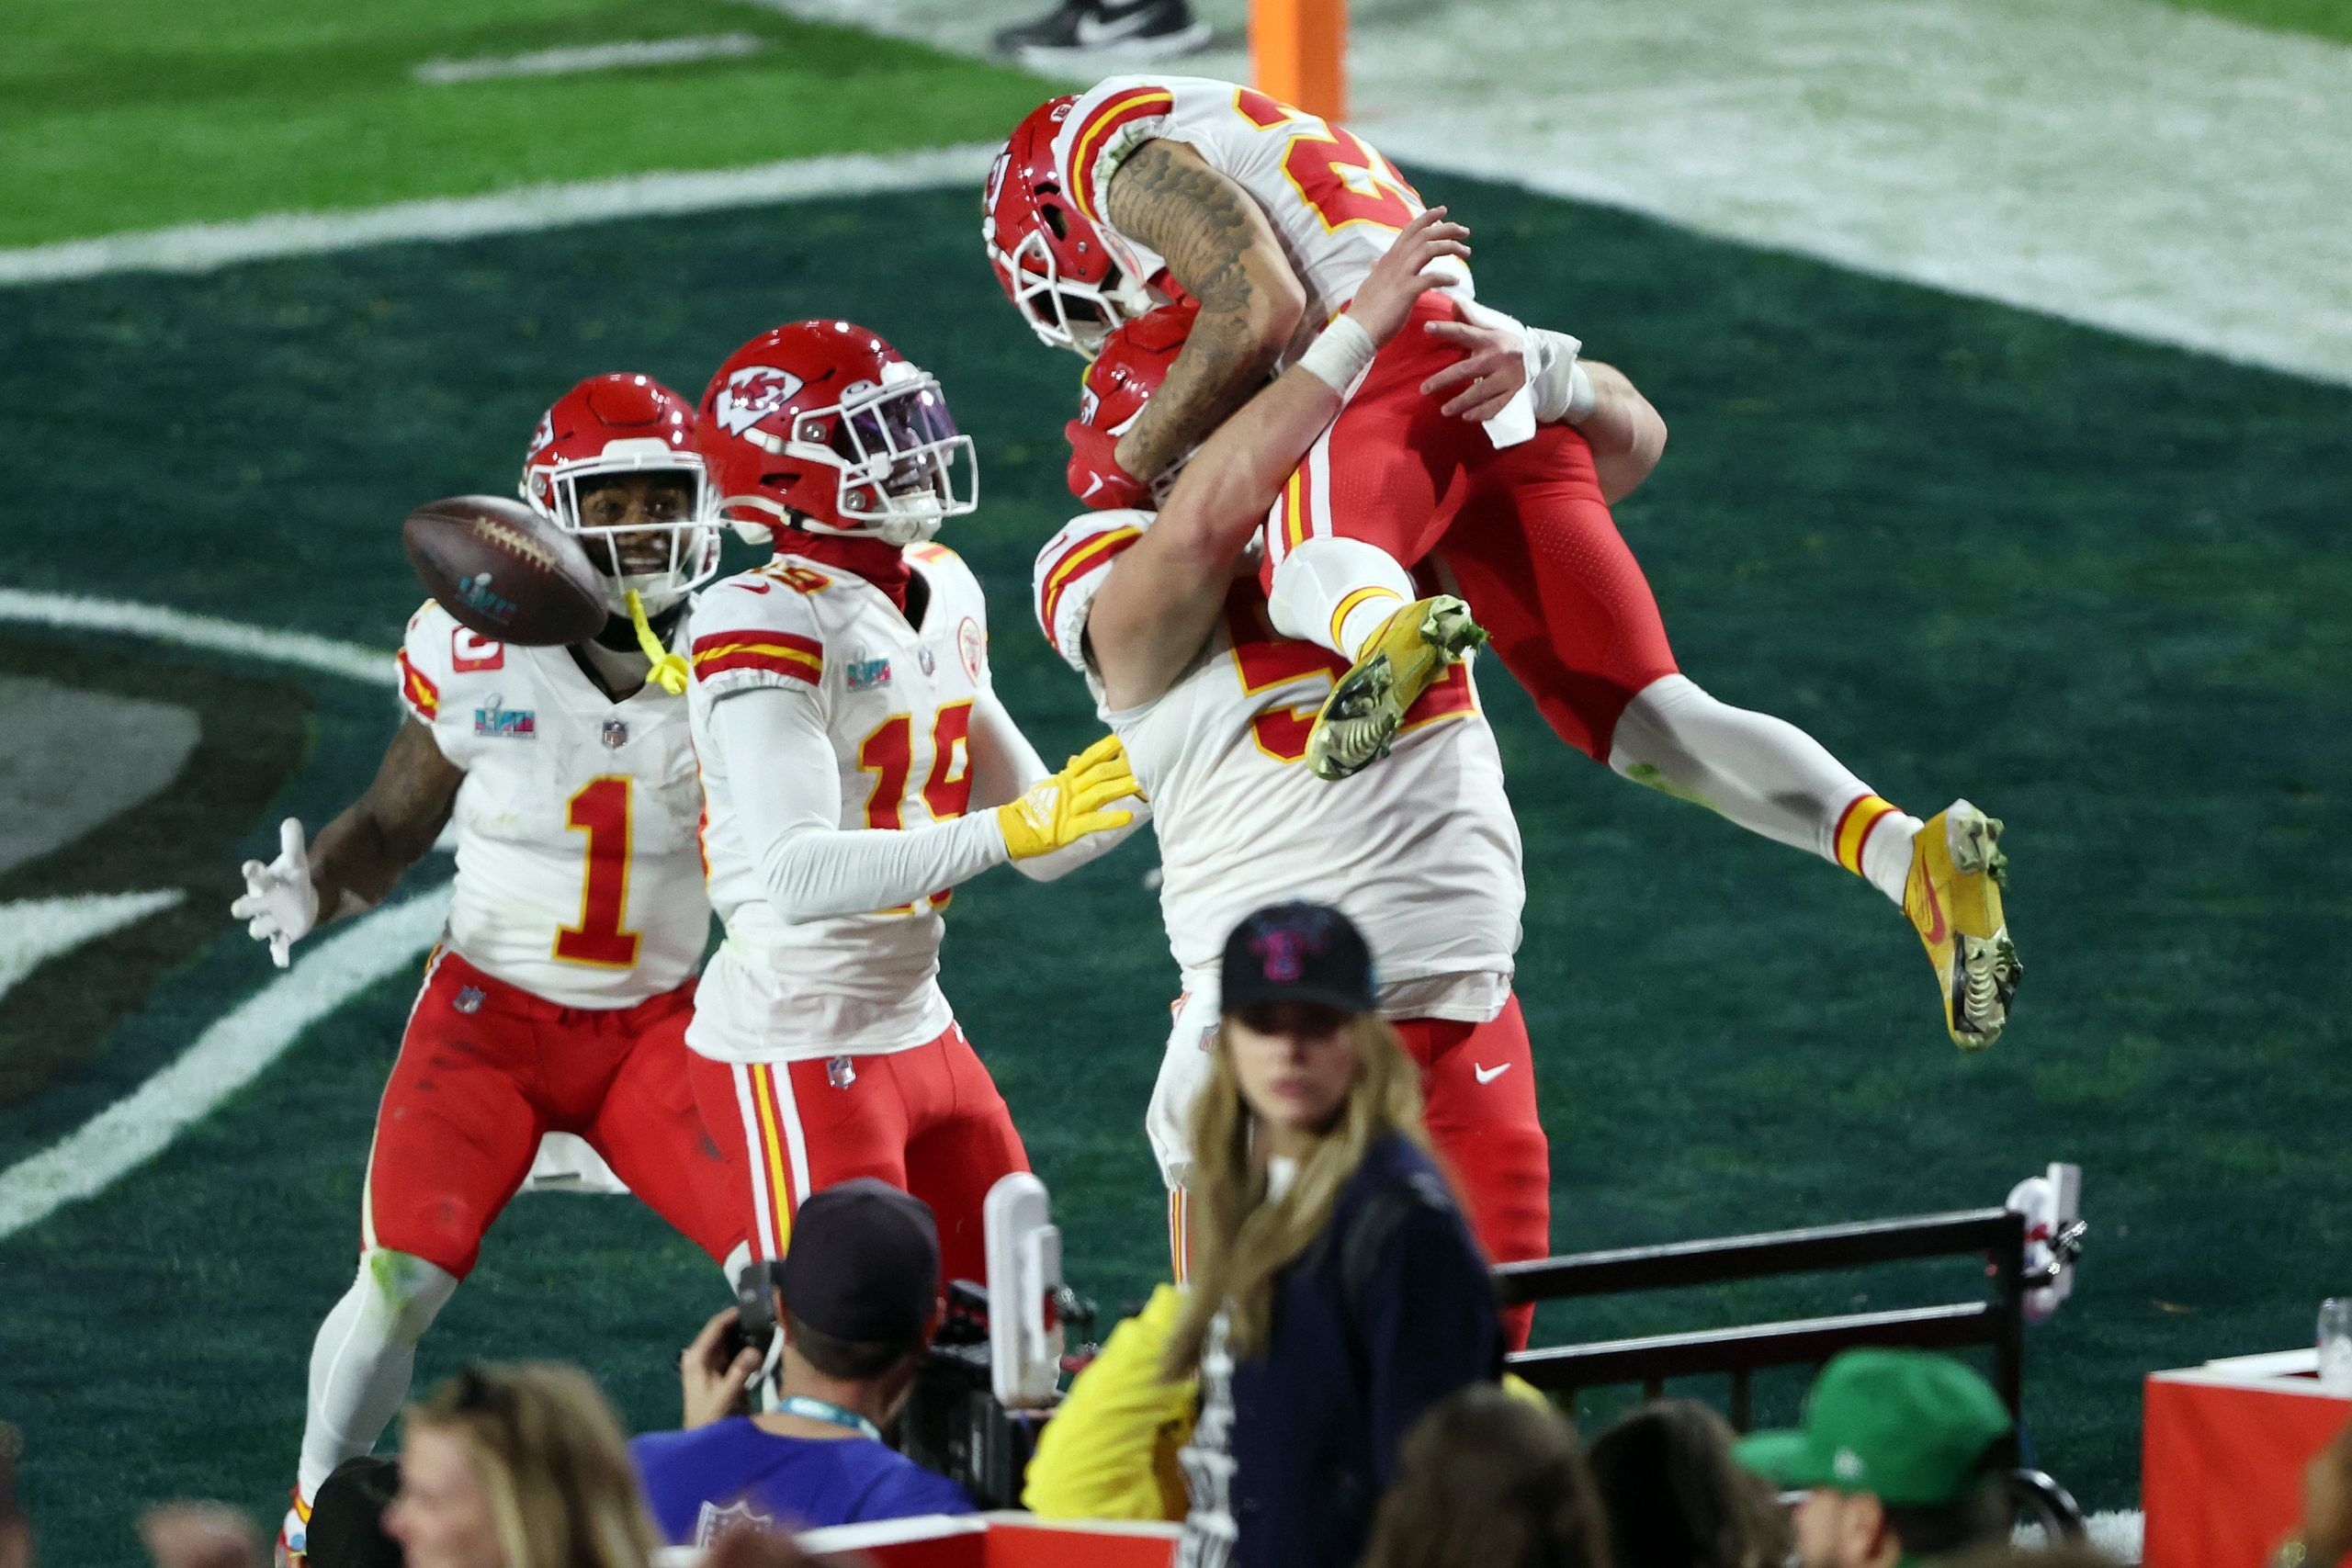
[
  {"x": 67, "y": 612},
  {"x": 201, "y": 247},
  {"x": 222, "y": 1060},
  {"x": 590, "y": 57},
  {"x": 2153, "y": 171},
  {"x": 328, "y": 971}
]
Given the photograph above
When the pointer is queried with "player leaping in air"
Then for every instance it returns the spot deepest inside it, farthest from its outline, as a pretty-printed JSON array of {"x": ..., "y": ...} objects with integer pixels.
[
  {"x": 847, "y": 728},
  {"x": 1147, "y": 188},
  {"x": 1212, "y": 705},
  {"x": 558, "y": 999}
]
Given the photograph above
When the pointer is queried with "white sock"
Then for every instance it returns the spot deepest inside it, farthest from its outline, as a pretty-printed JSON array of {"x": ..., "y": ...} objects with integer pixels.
[
  {"x": 1765, "y": 775},
  {"x": 363, "y": 1357},
  {"x": 1886, "y": 853},
  {"x": 1336, "y": 593}
]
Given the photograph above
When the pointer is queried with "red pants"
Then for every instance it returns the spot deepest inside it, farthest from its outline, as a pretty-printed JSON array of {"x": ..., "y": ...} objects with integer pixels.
[
  {"x": 929, "y": 1120},
  {"x": 1479, "y": 1098},
  {"x": 1478, "y": 1101},
  {"x": 486, "y": 1069},
  {"x": 1523, "y": 532}
]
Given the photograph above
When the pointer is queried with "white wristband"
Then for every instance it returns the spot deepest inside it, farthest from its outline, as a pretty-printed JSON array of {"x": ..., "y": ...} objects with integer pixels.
[
  {"x": 1582, "y": 399},
  {"x": 1339, "y": 353},
  {"x": 1564, "y": 392}
]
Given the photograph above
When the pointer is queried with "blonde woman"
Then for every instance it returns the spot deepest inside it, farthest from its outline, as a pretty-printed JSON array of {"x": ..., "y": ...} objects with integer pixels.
[
  {"x": 1337, "y": 1294},
  {"x": 518, "y": 1467}
]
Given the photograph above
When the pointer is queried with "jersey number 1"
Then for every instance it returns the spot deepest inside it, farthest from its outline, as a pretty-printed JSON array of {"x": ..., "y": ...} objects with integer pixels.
[{"x": 601, "y": 810}]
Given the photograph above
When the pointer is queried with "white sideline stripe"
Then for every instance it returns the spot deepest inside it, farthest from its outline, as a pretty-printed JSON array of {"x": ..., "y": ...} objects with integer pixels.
[
  {"x": 67, "y": 612},
  {"x": 589, "y": 57},
  {"x": 223, "y": 1059},
  {"x": 201, "y": 247}
]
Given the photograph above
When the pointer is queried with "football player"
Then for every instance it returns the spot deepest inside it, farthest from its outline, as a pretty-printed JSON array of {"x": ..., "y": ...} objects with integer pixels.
[
  {"x": 1152, "y": 188},
  {"x": 859, "y": 766},
  {"x": 1212, "y": 704},
  {"x": 558, "y": 997}
]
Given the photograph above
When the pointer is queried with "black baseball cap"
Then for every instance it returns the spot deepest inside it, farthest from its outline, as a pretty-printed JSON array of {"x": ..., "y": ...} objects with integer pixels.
[
  {"x": 862, "y": 1263},
  {"x": 346, "y": 1528},
  {"x": 1297, "y": 953}
]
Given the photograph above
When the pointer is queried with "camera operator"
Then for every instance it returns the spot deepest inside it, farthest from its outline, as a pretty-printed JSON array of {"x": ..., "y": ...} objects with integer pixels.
[{"x": 857, "y": 1294}]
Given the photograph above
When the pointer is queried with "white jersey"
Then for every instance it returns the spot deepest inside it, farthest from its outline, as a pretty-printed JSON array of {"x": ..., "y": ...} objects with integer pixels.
[
  {"x": 898, "y": 706},
  {"x": 578, "y": 874},
  {"x": 1334, "y": 202},
  {"x": 1422, "y": 851}
]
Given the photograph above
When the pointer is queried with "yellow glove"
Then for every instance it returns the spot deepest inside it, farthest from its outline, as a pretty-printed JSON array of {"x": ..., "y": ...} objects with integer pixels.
[{"x": 1060, "y": 810}]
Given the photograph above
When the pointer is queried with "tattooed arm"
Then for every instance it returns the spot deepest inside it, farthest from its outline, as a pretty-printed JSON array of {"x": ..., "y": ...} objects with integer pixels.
[
  {"x": 1220, "y": 247},
  {"x": 360, "y": 854}
]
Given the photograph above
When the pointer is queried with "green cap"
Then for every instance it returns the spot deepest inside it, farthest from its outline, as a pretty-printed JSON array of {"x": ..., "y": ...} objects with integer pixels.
[{"x": 1911, "y": 1429}]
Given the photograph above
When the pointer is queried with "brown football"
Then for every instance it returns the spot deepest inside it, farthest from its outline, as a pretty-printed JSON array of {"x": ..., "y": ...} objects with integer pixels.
[{"x": 504, "y": 572}]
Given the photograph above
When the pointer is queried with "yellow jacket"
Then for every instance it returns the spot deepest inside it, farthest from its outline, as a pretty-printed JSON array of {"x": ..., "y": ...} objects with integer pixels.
[{"x": 1110, "y": 1450}]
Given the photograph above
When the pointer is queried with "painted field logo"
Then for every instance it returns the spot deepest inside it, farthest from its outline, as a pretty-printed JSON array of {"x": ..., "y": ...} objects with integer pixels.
[
  {"x": 477, "y": 592},
  {"x": 504, "y": 723}
]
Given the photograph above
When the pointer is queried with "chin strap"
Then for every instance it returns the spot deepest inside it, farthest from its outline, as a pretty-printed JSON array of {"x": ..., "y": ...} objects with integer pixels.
[{"x": 670, "y": 672}]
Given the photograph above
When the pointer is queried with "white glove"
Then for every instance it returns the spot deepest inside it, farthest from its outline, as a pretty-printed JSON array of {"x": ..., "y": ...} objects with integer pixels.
[{"x": 279, "y": 906}]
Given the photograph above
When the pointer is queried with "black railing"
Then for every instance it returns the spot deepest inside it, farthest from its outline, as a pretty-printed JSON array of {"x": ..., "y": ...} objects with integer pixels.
[{"x": 1996, "y": 1321}]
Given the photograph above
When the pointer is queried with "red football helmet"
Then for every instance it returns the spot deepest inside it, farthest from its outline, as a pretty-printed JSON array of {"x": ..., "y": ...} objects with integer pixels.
[
  {"x": 824, "y": 426},
  {"x": 619, "y": 425},
  {"x": 1070, "y": 281},
  {"x": 1133, "y": 364}
]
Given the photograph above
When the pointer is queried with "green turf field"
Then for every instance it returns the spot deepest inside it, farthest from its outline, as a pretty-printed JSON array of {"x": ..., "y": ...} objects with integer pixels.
[
  {"x": 2321, "y": 18},
  {"x": 2093, "y": 584},
  {"x": 2096, "y": 586},
  {"x": 182, "y": 111}
]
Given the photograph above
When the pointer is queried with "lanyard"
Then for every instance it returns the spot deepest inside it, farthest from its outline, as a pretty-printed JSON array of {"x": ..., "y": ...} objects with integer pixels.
[{"x": 832, "y": 1415}]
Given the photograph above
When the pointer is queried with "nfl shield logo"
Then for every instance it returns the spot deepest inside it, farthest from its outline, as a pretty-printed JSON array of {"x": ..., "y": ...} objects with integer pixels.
[
  {"x": 840, "y": 1072},
  {"x": 616, "y": 734},
  {"x": 924, "y": 657},
  {"x": 469, "y": 999},
  {"x": 713, "y": 1521}
]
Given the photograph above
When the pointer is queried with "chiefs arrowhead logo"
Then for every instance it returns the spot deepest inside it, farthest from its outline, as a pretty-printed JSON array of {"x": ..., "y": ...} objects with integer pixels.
[{"x": 751, "y": 395}]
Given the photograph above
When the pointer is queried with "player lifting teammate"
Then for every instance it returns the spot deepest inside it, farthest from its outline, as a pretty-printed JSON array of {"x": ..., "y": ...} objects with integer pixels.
[
  {"x": 558, "y": 997},
  {"x": 843, "y": 687},
  {"x": 1212, "y": 705},
  {"x": 1153, "y": 187}
]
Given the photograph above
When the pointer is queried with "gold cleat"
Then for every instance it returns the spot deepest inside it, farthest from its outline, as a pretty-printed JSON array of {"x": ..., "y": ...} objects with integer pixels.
[
  {"x": 1954, "y": 898},
  {"x": 1367, "y": 706}
]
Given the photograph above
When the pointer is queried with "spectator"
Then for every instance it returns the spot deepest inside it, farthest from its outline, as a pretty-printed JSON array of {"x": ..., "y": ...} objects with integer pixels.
[
  {"x": 1487, "y": 1480},
  {"x": 2325, "y": 1537},
  {"x": 15, "y": 1529},
  {"x": 517, "y": 1467},
  {"x": 1900, "y": 1456},
  {"x": 857, "y": 1294},
  {"x": 201, "y": 1535},
  {"x": 1676, "y": 1499},
  {"x": 348, "y": 1517},
  {"x": 1337, "y": 1294},
  {"x": 1110, "y": 1450}
]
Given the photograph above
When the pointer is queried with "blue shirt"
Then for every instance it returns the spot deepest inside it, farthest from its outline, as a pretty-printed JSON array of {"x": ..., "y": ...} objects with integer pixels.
[{"x": 711, "y": 1478}]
